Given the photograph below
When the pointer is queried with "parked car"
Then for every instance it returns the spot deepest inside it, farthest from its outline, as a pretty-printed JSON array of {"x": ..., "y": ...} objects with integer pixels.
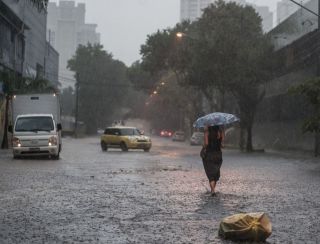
[
  {"x": 197, "y": 138},
  {"x": 166, "y": 133},
  {"x": 125, "y": 138},
  {"x": 179, "y": 136}
]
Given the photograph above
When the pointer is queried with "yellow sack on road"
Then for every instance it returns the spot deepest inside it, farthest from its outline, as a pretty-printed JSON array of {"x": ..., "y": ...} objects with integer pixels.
[{"x": 246, "y": 227}]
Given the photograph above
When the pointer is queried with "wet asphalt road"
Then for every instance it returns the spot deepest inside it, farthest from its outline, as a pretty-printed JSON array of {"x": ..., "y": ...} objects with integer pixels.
[{"x": 90, "y": 196}]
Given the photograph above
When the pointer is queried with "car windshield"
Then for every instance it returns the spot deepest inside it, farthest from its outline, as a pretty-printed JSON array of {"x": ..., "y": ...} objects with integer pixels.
[
  {"x": 34, "y": 124},
  {"x": 130, "y": 132}
]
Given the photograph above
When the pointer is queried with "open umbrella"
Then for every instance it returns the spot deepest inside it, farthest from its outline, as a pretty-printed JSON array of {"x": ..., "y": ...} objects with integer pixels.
[{"x": 216, "y": 118}]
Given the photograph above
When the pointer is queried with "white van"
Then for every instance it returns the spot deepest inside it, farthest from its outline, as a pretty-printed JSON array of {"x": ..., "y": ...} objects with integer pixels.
[{"x": 37, "y": 125}]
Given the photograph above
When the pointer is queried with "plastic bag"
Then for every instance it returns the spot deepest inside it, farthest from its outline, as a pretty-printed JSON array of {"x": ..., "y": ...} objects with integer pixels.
[{"x": 246, "y": 227}]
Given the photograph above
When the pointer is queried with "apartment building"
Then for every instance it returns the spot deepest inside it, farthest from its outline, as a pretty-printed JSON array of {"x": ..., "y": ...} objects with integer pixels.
[{"x": 66, "y": 29}]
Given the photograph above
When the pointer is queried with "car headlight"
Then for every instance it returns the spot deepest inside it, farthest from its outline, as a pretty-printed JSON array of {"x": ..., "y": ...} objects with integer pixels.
[
  {"x": 52, "y": 141},
  {"x": 132, "y": 139},
  {"x": 16, "y": 142}
]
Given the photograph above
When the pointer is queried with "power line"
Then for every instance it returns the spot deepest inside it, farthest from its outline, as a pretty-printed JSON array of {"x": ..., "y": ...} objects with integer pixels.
[{"x": 302, "y": 6}]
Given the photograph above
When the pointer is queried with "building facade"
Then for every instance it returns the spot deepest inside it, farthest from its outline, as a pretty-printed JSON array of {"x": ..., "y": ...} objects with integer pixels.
[
  {"x": 295, "y": 26},
  {"x": 285, "y": 9},
  {"x": 36, "y": 50},
  {"x": 66, "y": 30},
  {"x": 12, "y": 40},
  {"x": 192, "y": 10}
]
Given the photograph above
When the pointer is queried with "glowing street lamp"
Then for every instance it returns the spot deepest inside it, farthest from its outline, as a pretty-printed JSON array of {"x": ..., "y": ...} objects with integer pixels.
[
  {"x": 180, "y": 34},
  {"x": 155, "y": 92}
]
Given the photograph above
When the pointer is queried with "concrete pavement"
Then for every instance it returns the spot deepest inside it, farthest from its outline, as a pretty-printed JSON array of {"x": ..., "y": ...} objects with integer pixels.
[{"x": 90, "y": 196}]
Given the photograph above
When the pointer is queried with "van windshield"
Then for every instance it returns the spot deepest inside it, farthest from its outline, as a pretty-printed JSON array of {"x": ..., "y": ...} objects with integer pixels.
[{"x": 34, "y": 124}]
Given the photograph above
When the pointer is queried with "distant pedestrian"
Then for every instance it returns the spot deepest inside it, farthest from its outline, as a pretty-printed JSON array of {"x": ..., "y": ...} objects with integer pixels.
[{"x": 212, "y": 154}]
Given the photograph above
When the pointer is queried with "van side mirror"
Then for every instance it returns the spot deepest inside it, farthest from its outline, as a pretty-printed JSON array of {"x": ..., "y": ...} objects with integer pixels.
[
  {"x": 59, "y": 127},
  {"x": 10, "y": 128}
]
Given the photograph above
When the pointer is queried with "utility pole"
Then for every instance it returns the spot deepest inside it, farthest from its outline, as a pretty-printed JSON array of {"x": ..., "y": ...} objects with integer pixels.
[
  {"x": 76, "y": 106},
  {"x": 317, "y": 134}
]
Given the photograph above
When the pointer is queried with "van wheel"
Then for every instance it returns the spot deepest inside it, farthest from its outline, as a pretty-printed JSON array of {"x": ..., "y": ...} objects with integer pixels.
[
  {"x": 123, "y": 147},
  {"x": 146, "y": 149},
  {"x": 56, "y": 157},
  {"x": 104, "y": 146}
]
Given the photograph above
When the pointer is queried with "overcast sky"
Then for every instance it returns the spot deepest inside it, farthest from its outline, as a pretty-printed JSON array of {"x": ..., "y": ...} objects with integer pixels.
[{"x": 125, "y": 24}]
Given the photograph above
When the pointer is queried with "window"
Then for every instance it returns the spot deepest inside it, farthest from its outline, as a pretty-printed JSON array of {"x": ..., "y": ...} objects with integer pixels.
[
  {"x": 34, "y": 124},
  {"x": 130, "y": 132}
]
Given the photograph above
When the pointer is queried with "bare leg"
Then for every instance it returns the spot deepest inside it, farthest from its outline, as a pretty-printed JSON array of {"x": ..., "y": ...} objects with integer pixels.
[{"x": 212, "y": 186}]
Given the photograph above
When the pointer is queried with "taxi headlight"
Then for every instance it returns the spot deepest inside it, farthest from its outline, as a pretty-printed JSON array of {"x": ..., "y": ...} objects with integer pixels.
[
  {"x": 52, "y": 141},
  {"x": 16, "y": 142}
]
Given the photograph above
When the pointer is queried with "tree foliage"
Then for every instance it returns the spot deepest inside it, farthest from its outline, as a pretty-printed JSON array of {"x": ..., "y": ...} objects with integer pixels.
[
  {"x": 172, "y": 104},
  {"x": 67, "y": 99},
  {"x": 310, "y": 89},
  {"x": 141, "y": 79},
  {"x": 231, "y": 54},
  {"x": 102, "y": 85},
  {"x": 223, "y": 53}
]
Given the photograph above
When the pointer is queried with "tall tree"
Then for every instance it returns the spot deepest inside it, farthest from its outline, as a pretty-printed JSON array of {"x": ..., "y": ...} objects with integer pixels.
[
  {"x": 165, "y": 55},
  {"x": 141, "y": 79},
  {"x": 67, "y": 98},
  {"x": 231, "y": 54},
  {"x": 101, "y": 85}
]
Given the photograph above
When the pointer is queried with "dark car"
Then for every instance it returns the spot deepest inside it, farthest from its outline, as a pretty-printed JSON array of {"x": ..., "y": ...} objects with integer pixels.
[
  {"x": 166, "y": 133},
  {"x": 179, "y": 136}
]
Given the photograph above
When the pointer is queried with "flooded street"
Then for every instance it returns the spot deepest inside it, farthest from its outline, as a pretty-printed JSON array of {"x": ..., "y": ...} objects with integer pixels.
[{"x": 90, "y": 196}]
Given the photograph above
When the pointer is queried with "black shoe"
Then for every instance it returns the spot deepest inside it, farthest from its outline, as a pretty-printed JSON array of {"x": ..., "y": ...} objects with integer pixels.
[{"x": 213, "y": 194}]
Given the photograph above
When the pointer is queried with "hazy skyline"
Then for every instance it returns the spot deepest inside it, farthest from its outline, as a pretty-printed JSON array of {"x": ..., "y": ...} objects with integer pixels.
[{"x": 125, "y": 24}]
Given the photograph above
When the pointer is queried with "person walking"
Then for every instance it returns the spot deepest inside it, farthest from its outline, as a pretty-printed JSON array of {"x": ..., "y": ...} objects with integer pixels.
[{"x": 212, "y": 155}]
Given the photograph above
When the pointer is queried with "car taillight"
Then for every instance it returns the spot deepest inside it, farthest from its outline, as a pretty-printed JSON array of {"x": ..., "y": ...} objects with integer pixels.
[
  {"x": 16, "y": 142},
  {"x": 170, "y": 134},
  {"x": 162, "y": 133}
]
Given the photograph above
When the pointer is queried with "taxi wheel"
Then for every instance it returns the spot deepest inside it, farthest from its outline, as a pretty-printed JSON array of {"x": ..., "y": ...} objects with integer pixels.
[
  {"x": 104, "y": 146},
  {"x": 123, "y": 147}
]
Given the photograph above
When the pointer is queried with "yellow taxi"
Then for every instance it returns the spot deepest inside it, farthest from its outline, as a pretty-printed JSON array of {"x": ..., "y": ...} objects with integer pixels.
[{"x": 125, "y": 138}]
